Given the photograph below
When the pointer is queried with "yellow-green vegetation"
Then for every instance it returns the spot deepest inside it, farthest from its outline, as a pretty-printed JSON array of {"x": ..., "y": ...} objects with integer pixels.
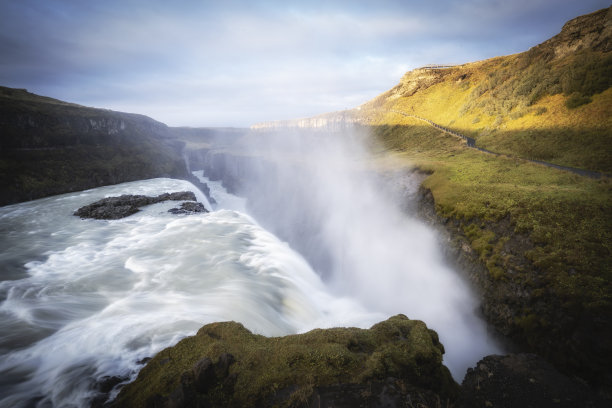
[
  {"x": 544, "y": 231},
  {"x": 284, "y": 371},
  {"x": 544, "y": 236},
  {"x": 531, "y": 105}
]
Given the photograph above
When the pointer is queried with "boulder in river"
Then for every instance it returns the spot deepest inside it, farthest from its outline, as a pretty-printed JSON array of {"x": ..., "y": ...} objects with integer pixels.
[
  {"x": 189, "y": 207},
  {"x": 113, "y": 208}
]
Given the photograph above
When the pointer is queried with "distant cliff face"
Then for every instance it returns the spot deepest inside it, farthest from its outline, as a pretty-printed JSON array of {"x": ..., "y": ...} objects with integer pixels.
[
  {"x": 51, "y": 147},
  {"x": 328, "y": 121}
]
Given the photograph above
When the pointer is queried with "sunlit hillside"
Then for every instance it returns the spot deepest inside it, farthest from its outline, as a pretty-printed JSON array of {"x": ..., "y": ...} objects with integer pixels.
[
  {"x": 551, "y": 103},
  {"x": 543, "y": 234}
]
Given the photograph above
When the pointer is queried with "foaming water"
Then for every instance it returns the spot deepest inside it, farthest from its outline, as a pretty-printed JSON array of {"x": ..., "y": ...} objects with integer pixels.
[
  {"x": 82, "y": 300},
  {"x": 316, "y": 193},
  {"x": 224, "y": 199}
]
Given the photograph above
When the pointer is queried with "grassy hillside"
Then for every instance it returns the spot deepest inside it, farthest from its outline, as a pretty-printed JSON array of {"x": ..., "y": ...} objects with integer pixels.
[
  {"x": 543, "y": 104},
  {"x": 51, "y": 147},
  {"x": 543, "y": 235}
]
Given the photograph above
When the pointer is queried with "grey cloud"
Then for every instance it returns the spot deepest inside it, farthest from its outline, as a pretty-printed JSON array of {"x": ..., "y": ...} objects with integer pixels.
[{"x": 203, "y": 62}]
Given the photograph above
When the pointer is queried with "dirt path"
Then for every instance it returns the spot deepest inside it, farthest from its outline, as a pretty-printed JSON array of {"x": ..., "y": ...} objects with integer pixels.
[{"x": 471, "y": 142}]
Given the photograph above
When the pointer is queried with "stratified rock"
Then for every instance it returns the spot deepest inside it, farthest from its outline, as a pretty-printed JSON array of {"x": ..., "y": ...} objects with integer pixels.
[
  {"x": 397, "y": 362},
  {"x": 522, "y": 380},
  {"x": 178, "y": 196},
  {"x": 189, "y": 208},
  {"x": 78, "y": 147},
  {"x": 113, "y": 208}
]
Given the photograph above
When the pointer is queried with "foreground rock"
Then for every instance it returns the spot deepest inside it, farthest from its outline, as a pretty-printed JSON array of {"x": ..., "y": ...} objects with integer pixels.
[
  {"x": 523, "y": 380},
  {"x": 113, "y": 208},
  {"x": 397, "y": 362}
]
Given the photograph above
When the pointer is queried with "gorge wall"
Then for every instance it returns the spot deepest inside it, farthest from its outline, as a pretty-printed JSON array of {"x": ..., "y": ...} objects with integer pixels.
[
  {"x": 50, "y": 147},
  {"x": 333, "y": 121}
]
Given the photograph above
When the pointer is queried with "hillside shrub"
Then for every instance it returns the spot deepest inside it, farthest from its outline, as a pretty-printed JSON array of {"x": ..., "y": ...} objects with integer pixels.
[
  {"x": 576, "y": 99},
  {"x": 525, "y": 81}
]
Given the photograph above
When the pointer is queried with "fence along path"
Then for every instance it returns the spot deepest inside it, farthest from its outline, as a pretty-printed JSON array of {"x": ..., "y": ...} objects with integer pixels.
[{"x": 471, "y": 142}]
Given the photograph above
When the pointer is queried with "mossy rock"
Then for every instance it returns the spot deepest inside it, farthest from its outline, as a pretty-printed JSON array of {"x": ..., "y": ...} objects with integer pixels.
[{"x": 225, "y": 364}]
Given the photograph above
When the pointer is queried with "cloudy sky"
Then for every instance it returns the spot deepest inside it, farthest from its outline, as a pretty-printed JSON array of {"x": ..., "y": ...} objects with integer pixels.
[{"x": 234, "y": 62}]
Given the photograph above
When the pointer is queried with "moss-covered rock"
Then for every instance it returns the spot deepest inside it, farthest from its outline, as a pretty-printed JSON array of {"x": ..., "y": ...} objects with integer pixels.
[{"x": 224, "y": 364}]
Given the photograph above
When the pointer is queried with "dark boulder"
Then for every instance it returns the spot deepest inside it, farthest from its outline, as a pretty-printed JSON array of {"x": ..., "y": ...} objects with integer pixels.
[
  {"x": 189, "y": 208},
  {"x": 114, "y": 208},
  {"x": 523, "y": 380}
]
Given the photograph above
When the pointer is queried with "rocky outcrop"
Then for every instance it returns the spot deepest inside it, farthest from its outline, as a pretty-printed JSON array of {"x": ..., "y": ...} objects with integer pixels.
[
  {"x": 523, "y": 380},
  {"x": 189, "y": 208},
  {"x": 418, "y": 80},
  {"x": 113, "y": 208},
  {"x": 592, "y": 32},
  {"x": 395, "y": 363},
  {"x": 520, "y": 306}
]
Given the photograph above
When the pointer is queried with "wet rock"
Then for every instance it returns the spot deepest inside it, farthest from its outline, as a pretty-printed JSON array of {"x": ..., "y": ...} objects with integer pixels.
[
  {"x": 178, "y": 196},
  {"x": 203, "y": 187},
  {"x": 144, "y": 361},
  {"x": 104, "y": 386},
  {"x": 522, "y": 380},
  {"x": 189, "y": 208},
  {"x": 114, "y": 208}
]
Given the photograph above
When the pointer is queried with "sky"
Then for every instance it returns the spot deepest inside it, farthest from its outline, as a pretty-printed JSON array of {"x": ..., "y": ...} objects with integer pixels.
[{"x": 235, "y": 63}]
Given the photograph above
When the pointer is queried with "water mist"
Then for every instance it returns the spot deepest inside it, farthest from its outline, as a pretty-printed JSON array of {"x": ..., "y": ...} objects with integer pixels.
[{"x": 314, "y": 190}]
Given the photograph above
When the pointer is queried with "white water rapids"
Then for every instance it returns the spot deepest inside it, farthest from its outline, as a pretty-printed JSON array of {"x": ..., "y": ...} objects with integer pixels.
[
  {"x": 82, "y": 300},
  {"x": 85, "y": 299}
]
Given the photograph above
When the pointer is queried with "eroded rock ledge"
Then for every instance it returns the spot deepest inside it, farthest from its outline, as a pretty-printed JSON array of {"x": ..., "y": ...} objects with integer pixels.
[
  {"x": 113, "y": 208},
  {"x": 397, "y": 362}
]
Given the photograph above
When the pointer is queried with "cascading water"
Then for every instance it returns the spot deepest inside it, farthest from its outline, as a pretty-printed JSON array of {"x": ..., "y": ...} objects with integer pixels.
[
  {"x": 313, "y": 189},
  {"x": 83, "y": 300}
]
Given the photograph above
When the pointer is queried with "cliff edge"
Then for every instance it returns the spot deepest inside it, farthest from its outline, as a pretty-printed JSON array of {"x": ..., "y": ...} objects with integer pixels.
[{"x": 50, "y": 147}]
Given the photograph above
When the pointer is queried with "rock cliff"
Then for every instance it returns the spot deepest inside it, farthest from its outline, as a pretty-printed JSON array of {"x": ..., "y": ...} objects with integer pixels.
[
  {"x": 329, "y": 121},
  {"x": 50, "y": 147}
]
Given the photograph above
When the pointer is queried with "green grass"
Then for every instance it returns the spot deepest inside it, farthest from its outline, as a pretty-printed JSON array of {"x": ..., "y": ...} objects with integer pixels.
[
  {"x": 562, "y": 256},
  {"x": 525, "y": 105}
]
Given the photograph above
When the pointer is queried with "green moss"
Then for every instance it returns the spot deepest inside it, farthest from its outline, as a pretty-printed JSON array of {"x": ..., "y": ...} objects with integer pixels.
[
  {"x": 265, "y": 367},
  {"x": 543, "y": 230}
]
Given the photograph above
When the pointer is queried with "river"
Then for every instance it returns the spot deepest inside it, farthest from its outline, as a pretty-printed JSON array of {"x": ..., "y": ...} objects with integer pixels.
[{"x": 82, "y": 301}]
